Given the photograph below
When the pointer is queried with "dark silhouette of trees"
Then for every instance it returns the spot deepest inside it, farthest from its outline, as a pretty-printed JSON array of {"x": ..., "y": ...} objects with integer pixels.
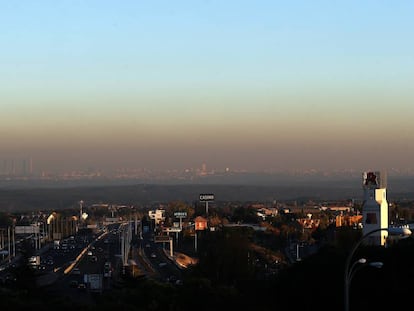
[{"x": 224, "y": 256}]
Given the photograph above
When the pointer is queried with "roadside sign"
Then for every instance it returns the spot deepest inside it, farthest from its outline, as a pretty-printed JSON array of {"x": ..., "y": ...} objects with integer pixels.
[
  {"x": 206, "y": 197},
  {"x": 95, "y": 282},
  {"x": 161, "y": 238},
  {"x": 180, "y": 214}
]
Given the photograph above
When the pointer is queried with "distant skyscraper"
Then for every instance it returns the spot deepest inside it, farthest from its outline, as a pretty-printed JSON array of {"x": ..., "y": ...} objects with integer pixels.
[
  {"x": 27, "y": 167},
  {"x": 13, "y": 168},
  {"x": 203, "y": 169},
  {"x": 375, "y": 206},
  {"x": 30, "y": 166},
  {"x": 24, "y": 167}
]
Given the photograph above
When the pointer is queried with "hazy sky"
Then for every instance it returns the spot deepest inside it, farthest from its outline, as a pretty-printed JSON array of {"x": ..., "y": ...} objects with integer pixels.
[{"x": 239, "y": 84}]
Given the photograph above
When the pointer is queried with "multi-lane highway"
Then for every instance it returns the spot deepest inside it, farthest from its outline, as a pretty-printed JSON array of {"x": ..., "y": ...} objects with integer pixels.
[
  {"x": 157, "y": 254},
  {"x": 93, "y": 262}
]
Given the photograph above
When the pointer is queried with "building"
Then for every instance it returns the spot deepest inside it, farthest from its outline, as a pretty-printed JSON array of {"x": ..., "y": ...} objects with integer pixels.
[
  {"x": 200, "y": 223},
  {"x": 157, "y": 215},
  {"x": 347, "y": 220},
  {"x": 375, "y": 207}
]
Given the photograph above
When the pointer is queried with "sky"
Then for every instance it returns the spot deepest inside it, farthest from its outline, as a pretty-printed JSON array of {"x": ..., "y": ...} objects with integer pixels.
[{"x": 253, "y": 85}]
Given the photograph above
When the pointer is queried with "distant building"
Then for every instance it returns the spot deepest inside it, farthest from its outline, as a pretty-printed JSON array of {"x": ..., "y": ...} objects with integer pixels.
[
  {"x": 339, "y": 209},
  {"x": 308, "y": 222},
  {"x": 263, "y": 211},
  {"x": 157, "y": 215},
  {"x": 200, "y": 223},
  {"x": 347, "y": 220},
  {"x": 375, "y": 206}
]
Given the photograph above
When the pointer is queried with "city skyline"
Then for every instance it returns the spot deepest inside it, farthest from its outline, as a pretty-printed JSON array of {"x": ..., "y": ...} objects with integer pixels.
[
  {"x": 25, "y": 169},
  {"x": 255, "y": 85}
]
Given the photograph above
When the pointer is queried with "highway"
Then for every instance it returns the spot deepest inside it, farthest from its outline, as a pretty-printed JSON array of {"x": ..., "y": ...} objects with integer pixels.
[
  {"x": 92, "y": 262},
  {"x": 156, "y": 254}
]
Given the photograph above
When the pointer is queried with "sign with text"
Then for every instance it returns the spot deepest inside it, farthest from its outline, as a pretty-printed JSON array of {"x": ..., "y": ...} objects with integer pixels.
[
  {"x": 26, "y": 229},
  {"x": 206, "y": 197},
  {"x": 180, "y": 214},
  {"x": 373, "y": 180},
  {"x": 161, "y": 238}
]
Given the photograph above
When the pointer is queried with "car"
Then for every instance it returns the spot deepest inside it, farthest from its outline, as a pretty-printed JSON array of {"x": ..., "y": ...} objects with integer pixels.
[
  {"x": 9, "y": 279},
  {"x": 153, "y": 255},
  {"x": 81, "y": 286}
]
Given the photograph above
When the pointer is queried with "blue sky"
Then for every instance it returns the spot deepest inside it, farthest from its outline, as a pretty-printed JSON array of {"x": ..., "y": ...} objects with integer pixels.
[{"x": 240, "y": 84}]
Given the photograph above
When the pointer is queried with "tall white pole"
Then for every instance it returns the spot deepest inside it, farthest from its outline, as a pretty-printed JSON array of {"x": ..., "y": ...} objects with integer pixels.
[
  {"x": 14, "y": 242},
  {"x": 81, "y": 211},
  {"x": 2, "y": 242},
  {"x": 35, "y": 238},
  {"x": 39, "y": 235},
  {"x": 195, "y": 241},
  {"x": 8, "y": 240}
]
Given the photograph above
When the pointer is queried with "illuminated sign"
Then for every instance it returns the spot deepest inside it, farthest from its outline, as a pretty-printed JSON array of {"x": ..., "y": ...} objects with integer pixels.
[
  {"x": 180, "y": 214},
  {"x": 207, "y": 197},
  {"x": 371, "y": 180}
]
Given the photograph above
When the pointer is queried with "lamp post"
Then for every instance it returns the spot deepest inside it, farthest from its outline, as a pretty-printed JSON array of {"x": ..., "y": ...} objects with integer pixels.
[
  {"x": 350, "y": 270},
  {"x": 80, "y": 209},
  {"x": 356, "y": 266},
  {"x": 362, "y": 263},
  {"x": 49, "y": 223}
]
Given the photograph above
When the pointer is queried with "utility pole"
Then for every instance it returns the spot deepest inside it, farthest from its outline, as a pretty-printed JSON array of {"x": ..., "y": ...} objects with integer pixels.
[
  {"x": 80, "y": 209},
  {"x": 195, "y": 241},
  {"x": 136, "y": 224},
  {"x": 14, "y": 241},
  {"x": 8, "y": 240}
]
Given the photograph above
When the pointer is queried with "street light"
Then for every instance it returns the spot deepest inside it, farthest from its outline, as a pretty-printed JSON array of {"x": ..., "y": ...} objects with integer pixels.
[
  {"x": 363, "y": 262},
  {"x": 350, "y": 270},
  {"x": 49, "y": 223},
  {"x": 358, "y": 265}
]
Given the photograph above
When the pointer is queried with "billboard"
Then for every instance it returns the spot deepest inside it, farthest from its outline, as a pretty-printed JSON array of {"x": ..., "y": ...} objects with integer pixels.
[
  {"x": 26, "y": 229},
  {"x": 206, "y": 197},
  {"x": 180, "y": 214},
  {"x": 374, "y": 180},
  {"x": 161, "y": 238}
]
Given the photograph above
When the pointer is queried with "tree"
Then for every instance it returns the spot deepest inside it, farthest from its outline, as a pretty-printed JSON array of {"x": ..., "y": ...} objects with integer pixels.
[
  {"x": 5, "y": 220},
  {"x": 225, "y": 257}
]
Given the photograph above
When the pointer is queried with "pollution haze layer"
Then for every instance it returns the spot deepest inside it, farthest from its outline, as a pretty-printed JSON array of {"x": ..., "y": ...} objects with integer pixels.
[
  {"x": 52, "y": 195},
  {"x": 248, "y": 85}
]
